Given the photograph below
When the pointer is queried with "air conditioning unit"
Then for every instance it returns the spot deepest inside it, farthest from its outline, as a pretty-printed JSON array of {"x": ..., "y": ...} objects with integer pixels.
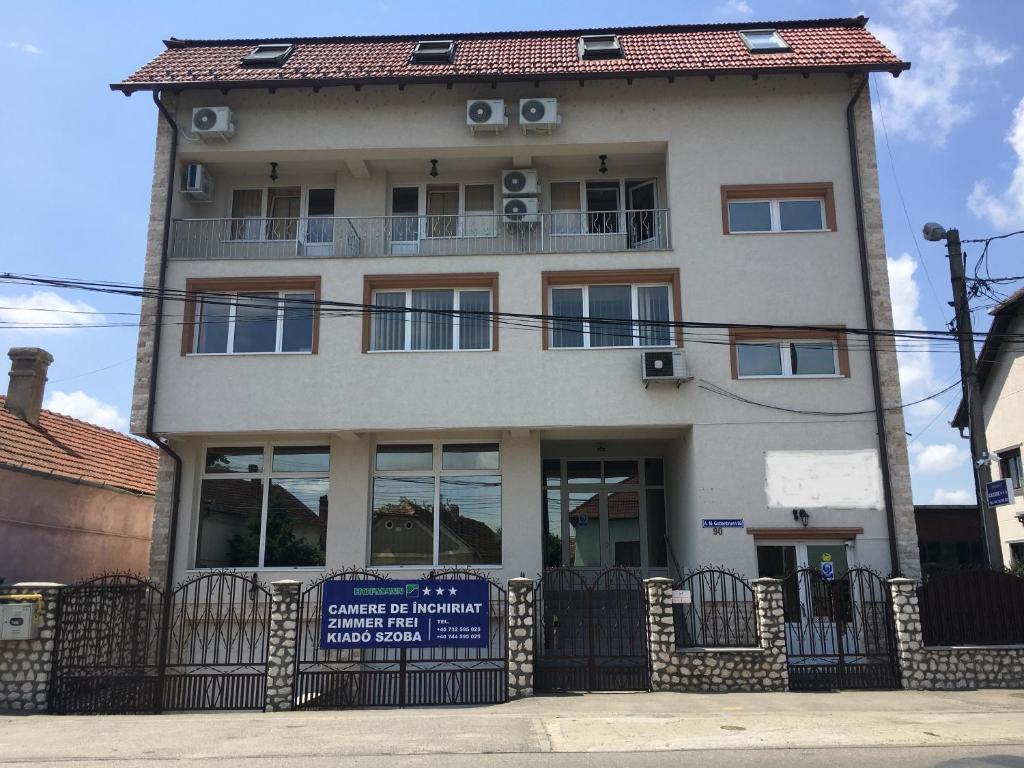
[
  {"x": 486, "y": 115},
  {"x": 538, "y": 114},
  {"x": 664, "y": 365},
  {"x": 213, "y": 122},
  {"x": 519, "y": 182},
  {"x": 520, "y": 210},
  {"x": 197, "y": 183}
]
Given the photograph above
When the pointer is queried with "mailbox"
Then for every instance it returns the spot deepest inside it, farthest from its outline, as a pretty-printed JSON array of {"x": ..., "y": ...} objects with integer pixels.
[{"x": 17, "y": 621}]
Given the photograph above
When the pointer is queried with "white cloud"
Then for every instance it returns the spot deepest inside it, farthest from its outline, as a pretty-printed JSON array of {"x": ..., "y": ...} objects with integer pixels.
[
  {"x": 928, "y": 101},
  {"x": 24, "y": 47},
  {"x": 939, "y": 458},
  {"x": 1004, "y": 209},
  {"x": 958, "y": 496},
  {"x": 81, "y": 406},
  {"x": 917, "y": 374},
  {"x": 739, "y": 6},
  {"x": 45, "y": 312}
]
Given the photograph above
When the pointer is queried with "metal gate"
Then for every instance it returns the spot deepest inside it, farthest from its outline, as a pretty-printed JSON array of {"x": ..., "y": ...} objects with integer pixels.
[
  {"x": 106, "y": 657},
  {"x": 840, "y": 633},
  {"x": 123, "y": 646},
  {"x": 387, "y": 677},
  {"x": 592, "y": 634},
  {"x": 218, "y": 630}
]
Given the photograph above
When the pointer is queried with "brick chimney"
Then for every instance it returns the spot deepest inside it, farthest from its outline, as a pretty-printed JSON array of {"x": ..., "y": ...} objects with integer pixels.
[{"x": 28, "y": 382}]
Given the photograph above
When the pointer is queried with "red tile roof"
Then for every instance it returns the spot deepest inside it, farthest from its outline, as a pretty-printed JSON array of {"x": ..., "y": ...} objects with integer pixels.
[
  {"x": 821, "y": 45},
  {"x": 69, "y": 448}
]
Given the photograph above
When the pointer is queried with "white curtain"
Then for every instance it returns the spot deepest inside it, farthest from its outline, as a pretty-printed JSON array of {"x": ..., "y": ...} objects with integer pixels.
[
  {"x": 474, "y": 320},
  {"x": 389, "y": 321},
  {"x": 432, "y": 319},
  {"x": 652, "y": 307}
]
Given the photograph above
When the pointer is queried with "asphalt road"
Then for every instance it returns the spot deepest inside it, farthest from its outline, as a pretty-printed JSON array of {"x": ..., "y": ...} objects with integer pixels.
[{"x": 891, "y": 729}]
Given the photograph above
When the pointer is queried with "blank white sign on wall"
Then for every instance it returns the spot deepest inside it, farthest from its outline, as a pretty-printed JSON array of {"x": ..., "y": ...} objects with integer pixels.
[{"x": 832, "y": 479}]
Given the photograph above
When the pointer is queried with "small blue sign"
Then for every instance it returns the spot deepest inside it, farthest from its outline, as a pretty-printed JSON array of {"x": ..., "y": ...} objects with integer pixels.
[
  {"x": 999, "y": 492},
  {"x": 722, "y": 523},
  {"x": 417, "y": 613},
  {"x": 828, "y": 571}
]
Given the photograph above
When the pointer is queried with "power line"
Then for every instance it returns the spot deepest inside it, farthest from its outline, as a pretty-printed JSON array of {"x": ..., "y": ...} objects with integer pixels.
[{"x": 355, "y": 308}]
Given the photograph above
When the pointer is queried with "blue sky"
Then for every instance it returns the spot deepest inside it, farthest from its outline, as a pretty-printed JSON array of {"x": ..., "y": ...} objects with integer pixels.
[{"x": 78, "y": 160}]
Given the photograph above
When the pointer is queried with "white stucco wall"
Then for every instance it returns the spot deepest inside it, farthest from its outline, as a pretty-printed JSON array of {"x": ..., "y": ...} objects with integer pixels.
[
  {"x": 1003, "y": 400},
  {"x": 700, "y": 135}
]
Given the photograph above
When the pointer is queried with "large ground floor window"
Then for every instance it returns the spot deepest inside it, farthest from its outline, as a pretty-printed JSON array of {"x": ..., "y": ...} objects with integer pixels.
[
  {"x": 604, "y": 512},
  {"x": 436, "y": 504},
  {"x": 263, "y": 506}
]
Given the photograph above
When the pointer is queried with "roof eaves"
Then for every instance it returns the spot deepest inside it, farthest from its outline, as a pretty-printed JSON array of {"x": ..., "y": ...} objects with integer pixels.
[
  {"x": 129, "y": 88},
  {"x": 75, "y": 479}
]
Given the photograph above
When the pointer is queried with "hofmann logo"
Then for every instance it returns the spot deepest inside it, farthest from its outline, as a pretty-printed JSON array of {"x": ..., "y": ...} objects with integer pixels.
[{"x": 409, "y": 590}]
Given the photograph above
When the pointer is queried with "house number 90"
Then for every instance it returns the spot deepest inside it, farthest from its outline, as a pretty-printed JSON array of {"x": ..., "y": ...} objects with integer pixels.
[{"x": 716, "y": 531}]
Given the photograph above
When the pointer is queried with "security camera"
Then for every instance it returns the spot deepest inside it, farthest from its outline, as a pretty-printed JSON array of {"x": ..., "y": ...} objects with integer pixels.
[
  {"x": 983, "y": 460},
  {"x": 934, "y": 232}
]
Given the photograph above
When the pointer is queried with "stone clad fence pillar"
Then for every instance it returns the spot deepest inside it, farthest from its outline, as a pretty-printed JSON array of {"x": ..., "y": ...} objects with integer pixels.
[
  {"x": 284, "y": 622},
  {"x": 25, "y": 665},
  {"x": 520, "y": 637},
  {"x": 760, "y": 668}
]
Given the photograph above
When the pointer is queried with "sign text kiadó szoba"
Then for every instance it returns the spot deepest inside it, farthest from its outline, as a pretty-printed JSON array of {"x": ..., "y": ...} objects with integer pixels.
[{"x": 404, "y": 614}]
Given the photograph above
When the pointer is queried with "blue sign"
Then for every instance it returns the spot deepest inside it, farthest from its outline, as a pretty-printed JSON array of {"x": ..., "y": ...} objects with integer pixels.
[
  {"x": 404, "y": 614},
  {"x": 999, "y": 492},
  {"x": 720, "y": 523}
]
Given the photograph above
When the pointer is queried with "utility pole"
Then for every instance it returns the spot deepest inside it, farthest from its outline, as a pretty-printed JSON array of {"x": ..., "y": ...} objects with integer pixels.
[{"x": 971, "y": 392}]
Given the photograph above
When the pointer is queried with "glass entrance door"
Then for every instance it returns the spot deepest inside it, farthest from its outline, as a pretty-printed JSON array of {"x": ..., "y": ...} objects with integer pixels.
[{"x": 601, "y": 513}]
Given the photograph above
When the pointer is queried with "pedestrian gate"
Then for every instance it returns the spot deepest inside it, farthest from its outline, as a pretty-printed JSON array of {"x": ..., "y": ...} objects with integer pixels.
[
  {"x": 391, "y": 677},
  {"x": 123, "y": 646},
  {"x": 591, "y": 632},
  {"x": 840, "y": 633}
]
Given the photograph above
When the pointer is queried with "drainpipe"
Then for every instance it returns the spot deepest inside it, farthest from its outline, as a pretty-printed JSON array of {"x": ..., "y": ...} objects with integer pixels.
[
  {"x": 876, "y": 383},
  {"x": 155, "y": 360}
]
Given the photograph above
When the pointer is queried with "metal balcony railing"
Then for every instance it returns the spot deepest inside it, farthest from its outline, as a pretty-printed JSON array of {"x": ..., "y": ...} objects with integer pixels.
[{"x": 467, "y": 235}]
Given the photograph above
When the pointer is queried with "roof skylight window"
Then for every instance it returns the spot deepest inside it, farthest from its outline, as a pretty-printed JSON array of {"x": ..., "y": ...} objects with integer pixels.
[
  {"x": 269, "y": 55},
  {"x": 764, "y": 41},
  {"x": 600, "y": 47},
  {"x": 433, "y": 52}
]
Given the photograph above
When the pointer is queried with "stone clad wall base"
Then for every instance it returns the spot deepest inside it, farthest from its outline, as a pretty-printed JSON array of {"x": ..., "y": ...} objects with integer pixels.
[
  {"x": 284, "y": 618},
  {"x": 702, "y": 670},
  {"x": 25, "y": 664},
  {"x": 520, "y": 638},
  {"x": 929, "y": 668}
]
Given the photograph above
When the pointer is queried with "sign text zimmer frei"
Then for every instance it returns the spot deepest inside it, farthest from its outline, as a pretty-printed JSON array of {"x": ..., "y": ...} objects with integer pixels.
[{"x": 404, "y": 614}]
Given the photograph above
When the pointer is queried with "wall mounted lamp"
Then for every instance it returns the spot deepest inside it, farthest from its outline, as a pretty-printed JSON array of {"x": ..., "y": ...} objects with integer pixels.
[
  {"x": 273, "y": 171},
  {"x": 801, "y": 516},
  {"x": 433, "y": 169},
  {"x": 604, "y": 163}
]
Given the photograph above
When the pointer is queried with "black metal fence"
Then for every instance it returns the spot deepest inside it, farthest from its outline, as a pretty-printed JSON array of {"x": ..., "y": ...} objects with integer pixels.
[
  {"x": 591, "y": 631},
  {"x": 106, "y": 656},
  {"x": 333, "y": 679},
  {"x": 217, "y": 643},
  {"x": 972, "y": 607},
  {"x": 714, "y": 608}
]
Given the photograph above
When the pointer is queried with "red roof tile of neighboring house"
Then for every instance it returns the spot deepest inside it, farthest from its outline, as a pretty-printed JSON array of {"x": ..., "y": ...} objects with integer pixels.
[
  {"x": 69, "y": 448},
  {"x": 842, "y": 45}
]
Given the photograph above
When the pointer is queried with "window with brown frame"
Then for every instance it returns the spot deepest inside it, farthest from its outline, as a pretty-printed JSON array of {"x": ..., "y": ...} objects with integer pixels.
[
  {"x": 762, "y": 208},
  {"x": 761, "y": 354},
  {"x": 420, "y": 313},
  {"x": 251, "y": 315},
  {"x": 611, "y": 308}
]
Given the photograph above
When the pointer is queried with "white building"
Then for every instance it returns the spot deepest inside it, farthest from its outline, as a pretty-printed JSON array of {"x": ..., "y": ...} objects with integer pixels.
[
  {"x": 1001, "y": 378},
  {"x": 421, "y": 274}
]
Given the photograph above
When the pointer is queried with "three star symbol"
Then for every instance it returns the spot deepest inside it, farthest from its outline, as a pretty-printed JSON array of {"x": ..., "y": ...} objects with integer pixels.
[{"x": 440, "y": 591}]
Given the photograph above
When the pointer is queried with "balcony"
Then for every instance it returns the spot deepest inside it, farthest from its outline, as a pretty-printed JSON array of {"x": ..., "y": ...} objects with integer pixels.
[{"x": 448, "y": 235}]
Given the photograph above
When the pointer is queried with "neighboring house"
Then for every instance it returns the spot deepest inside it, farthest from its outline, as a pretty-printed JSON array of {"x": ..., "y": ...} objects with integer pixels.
[
  {"x": 75, "y": 499},
  {"x": 344, "y": 215},
  {"x": 1001, "y": 378},
  {"x": 948, "y": 536}
]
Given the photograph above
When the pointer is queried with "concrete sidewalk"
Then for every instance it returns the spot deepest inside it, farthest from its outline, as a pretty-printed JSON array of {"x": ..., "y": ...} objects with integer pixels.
[{"x": 613, "y": 729}]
